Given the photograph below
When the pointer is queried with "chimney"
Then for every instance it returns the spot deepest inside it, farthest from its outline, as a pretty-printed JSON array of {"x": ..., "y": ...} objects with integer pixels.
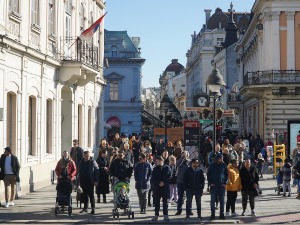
[{"x": 207, "y": 15}]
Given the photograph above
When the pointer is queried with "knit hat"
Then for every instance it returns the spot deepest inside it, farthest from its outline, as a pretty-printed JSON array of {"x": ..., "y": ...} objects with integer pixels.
[{"x": 218, "y": 156}]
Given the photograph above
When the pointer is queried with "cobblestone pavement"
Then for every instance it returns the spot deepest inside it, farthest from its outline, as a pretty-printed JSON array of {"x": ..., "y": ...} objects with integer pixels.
[{"x": 38, "y": 208}]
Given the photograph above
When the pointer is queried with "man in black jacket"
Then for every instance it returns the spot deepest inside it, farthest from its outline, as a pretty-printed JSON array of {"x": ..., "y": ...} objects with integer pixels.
[
  {"x": 88, "y": 178},
  {"x": 121, "y": 169},
  {"x": 193, "y": 184},
  {"x": 160, "y": 180},
  {"x": 10, "y": 169}
]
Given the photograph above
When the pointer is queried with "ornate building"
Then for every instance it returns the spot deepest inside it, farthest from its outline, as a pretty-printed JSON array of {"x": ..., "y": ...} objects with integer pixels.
[
  {"x": 51, "y": 82},
  {"x": 203, "y": 48},
  {"x": 269, "y": 65},
  {"x": 123, "y": 105}
]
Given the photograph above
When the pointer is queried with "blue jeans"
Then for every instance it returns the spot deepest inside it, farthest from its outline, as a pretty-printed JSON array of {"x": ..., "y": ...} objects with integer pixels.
[
  {"x": 214, "y": 192},
  {"x": 189, "y": 198},
  {"x": 180, "y": 191}
]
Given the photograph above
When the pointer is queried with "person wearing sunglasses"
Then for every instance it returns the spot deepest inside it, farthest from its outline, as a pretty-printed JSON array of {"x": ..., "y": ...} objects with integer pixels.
[
  {"x": 142, "y": 175},
  {"x": 120, "y": 168}
]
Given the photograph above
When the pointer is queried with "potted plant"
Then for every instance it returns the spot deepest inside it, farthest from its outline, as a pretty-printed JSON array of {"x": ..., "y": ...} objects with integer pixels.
[
  {"x": 205, "y": 113},
  {"x": 219, "y": 113}
]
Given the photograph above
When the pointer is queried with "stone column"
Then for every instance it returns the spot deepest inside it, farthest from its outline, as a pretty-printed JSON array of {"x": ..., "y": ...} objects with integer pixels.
[{"x": 291, "y": 40}]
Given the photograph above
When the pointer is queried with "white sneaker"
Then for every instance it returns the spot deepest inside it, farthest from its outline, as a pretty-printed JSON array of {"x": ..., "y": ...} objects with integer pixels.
[
  {"x": 6, "y": 205},
  {"x": 12, "y": 203},
  {"x": 235, "y": 214},
  {"x": 227, "y": 213}
]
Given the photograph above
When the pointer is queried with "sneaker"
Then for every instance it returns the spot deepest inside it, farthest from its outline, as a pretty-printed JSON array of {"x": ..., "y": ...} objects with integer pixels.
[
  {"x": 155, "y": 218},
  {"x": 253, "y": 213},
  {"x": 93, "y": 211},
  {"x": 227, "y": 213},
  {"x": 166, "y": 218},
  {"x": 12, "y": 203},
  {"x": 234, "y": 214},
  {"x": 222, "y": 217},
  {"x": 6, "y": 205},
  {"x": 187, "y": 217},
  {"x": 243, "y": 213},
  {"x": 199, "y": 218},
  {"x": 289, "y": 195},
  {"x": 212, "y": 217},
  {"x": 83, "y": 210}
]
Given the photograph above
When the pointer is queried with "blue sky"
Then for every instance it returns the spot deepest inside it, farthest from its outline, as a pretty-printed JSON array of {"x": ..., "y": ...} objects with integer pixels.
[{"x": 164, "y": 26}]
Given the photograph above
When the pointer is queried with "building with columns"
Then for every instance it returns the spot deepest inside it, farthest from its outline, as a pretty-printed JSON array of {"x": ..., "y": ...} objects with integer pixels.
[
  {"x": 51, "y": 82},
  {"x": 269, "y": 65}
]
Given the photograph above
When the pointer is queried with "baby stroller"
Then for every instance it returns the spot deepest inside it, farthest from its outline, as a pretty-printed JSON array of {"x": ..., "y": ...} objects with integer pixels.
[
  {"x": 121, "y": 200},
  {"x": 63, "y": 198},
  {"x": 279, "y": 179}
]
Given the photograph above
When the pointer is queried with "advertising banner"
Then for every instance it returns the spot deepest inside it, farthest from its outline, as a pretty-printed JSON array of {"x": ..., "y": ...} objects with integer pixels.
[
  {"x": 191, "y": 138},
  {"x": 293, "y": 135}
]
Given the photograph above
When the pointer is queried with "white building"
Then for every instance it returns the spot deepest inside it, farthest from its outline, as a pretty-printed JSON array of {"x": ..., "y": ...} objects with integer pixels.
[
  {"x": 51, "y": 82},
  {"x": 269, "y": 64}
]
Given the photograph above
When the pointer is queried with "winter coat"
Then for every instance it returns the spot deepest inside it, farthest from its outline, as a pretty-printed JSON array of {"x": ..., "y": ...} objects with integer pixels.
[
  {"x": 77, "y": 155},
  {"x": 211, "y": 157},
  {"x": 217, "y": 174},
  {"x": 161, "y": 173},
  {"x": 15, "y": 166},
  {"x": 297, "y": 170},
  {"x": 234, "y": 180},
  {"x": 173, "y": 169},
  {"x": 129, "y": 156},
  {"x": 103, "y": 184},
  {"x": 159, "y": 148},
  {"x": 121, "y": 168},
  {"x": 287, "y": 172},
  {"x": 194, "y": 180},
  {"x": 66, "y": 168},
  {"x": 182, "y": 164},
  {"x": 142, "y": 175},
  {"x": 90, "y": 167},
  {"x": 249, "y": 178}
]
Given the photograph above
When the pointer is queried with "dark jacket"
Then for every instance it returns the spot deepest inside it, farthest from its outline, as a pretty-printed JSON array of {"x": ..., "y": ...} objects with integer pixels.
[
  {"x": 116, "y": 142},
  {"x": 248, "y": 178},
  {"x": 15, "y": 166},
  {"x": 92, "y": 169},
  {"x": 76, "y": 154},
  {"x": 121, "y": 168},
  {"x": 161, "y": 173},
  {"x": 194, "y": 180},
  {"x": 297, "y": 170},
  {"x": 217, "y": 174},
  {"x": 142, "y": 175},
  {"x": 287, "y": 172},
  {"x": 173, "y": 169},
  {"x": 159, "y": 148},
  {"x": 103, "y": 185},
  {"x": 182, "y": 164}
]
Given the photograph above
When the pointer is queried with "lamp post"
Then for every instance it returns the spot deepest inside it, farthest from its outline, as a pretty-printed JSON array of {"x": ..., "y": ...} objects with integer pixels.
[
  {"x": 165, "y": 103},
  {"x": 215, "y": 82}
]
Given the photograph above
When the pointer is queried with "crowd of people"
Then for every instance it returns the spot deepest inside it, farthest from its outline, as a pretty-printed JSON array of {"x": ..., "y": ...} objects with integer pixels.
[{"x": 165, "y": 172}]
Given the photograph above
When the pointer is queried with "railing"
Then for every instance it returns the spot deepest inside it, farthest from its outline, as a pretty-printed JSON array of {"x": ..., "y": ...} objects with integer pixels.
[
  {"x": 74, "y": 49},
  {"x": 272, "y": 77}
]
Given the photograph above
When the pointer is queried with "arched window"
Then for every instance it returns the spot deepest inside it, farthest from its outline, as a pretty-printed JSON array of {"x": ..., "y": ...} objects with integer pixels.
[{"x": 114, "y": 51}]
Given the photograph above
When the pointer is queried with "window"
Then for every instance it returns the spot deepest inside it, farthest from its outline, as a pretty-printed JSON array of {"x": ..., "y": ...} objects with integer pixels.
[
  {"x": 82, "y": 17},
  {"x": 90, "y": 126},
  {"x": 14, "y": 6},
  {"x": 68, "y": 20},
  {"x": 11, "y": 124},
  {"x": 114, "y": 52},
  {"x": 219, "y": 41},
  {"x": 35, "y": 4},
  {"x": 32, "y": 126},
  {"x": 49, "y": 118},
  {"x": 114, "y": 90},
  {"x": 68, "y": 7},
  {"x": 51, "y": 18}
]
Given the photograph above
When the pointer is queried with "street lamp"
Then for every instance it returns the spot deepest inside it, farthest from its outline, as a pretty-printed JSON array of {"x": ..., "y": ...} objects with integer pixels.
[
  {"x": 165, "y": 103},
  {"x": 215, "y": 82}
]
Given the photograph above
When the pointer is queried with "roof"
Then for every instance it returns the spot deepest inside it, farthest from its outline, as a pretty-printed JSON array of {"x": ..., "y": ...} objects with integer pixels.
[{"x": 174, "y": 66}]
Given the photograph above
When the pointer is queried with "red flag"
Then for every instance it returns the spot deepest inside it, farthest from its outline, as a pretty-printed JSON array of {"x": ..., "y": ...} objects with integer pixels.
[{"x": 89, "y": 32}]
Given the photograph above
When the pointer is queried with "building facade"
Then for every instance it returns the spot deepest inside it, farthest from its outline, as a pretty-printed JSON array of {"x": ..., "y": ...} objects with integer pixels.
[
  {"x": 51, "y": 82},
  {"x": 203, "y": 48},
  {"x": 122, "y": 101},
  {"x": 269, "y": 64}
]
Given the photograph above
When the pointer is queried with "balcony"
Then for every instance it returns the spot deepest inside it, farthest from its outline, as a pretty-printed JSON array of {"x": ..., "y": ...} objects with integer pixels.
[
  {"x": 256, "y": 83},
  {"x": 80, "y": 61},
  {"x": 234, "y": 100}
]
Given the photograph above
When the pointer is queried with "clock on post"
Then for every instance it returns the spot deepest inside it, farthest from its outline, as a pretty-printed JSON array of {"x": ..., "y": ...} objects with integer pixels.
[{"x": 201, "y": 99}]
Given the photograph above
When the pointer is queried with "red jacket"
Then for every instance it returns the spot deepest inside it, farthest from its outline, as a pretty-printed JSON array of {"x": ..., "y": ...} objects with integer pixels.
[{"x": 71, "y": 168}]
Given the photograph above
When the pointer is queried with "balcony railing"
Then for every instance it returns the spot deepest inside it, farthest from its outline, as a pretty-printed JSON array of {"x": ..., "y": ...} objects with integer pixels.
[
  {"x": 74, "y": 49},
  {"x": 272, "y": 77},
  {"x": 234, "y": 97}
]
